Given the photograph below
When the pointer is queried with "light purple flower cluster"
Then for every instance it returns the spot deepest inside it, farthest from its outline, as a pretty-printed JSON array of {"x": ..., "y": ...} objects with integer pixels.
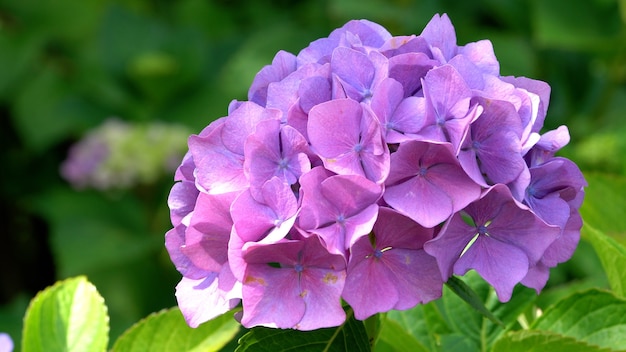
[
  {"x": 119, "y": 155},
  {"x": 370, "y": 168}
]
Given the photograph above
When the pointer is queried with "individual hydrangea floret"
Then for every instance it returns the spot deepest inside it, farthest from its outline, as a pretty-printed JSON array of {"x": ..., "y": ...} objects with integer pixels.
[
  {"x": 293, "y": 284},
  {"x": 496, "y": 236},
  {"x": 366, "y": 170},
  {"x": 389, "y": 269}
]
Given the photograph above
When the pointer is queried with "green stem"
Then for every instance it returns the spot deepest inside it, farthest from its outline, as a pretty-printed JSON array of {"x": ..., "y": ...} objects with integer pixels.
[{"x": 483, "y": 335}]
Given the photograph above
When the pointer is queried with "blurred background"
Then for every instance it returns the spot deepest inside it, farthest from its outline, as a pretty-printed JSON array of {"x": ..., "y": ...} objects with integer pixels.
[{"x": 97, "y": 98}]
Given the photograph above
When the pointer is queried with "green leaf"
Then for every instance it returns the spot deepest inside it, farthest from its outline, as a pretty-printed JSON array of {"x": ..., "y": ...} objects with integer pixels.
[
  {"x": 167, "y": 331},
  {"x": 373, "y": 326},
  {"x": 461, "y": 289},
  {"x": 393, "y": 337},
  {"x": 448, "y": 324},
  {"x": 422, "y": 328},
  {"x": 540, "y": 341},
  {"x": 350, "y": 336},
  {"x": 68, "y": 316},
  {"x": 613, "y": 258},
  {"x": 594, "y": 317},
  {"x": 423, "y": 323}
]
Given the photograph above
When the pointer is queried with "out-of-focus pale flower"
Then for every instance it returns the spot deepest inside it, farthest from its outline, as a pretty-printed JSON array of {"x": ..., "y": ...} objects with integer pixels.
[
  {"x": 118, "y": 154},
  {"x": 6, "y": 344}
]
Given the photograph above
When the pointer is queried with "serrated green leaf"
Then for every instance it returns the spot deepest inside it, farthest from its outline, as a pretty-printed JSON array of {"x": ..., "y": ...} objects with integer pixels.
[
  {"x": 540, "y": 341},
  {"x": 68, "y": 316},
  {"x": 595, "y": 317},
  {"x": 167, "y": 331},
  {"x": 465, "y": 292},
  {"x": 350, "y": 336},
  {"x": 613, "y": 258}
]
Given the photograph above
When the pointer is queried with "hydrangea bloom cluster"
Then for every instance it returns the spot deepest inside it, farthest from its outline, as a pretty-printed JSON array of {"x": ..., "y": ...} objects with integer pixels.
[
  {"x": 370, "y": 168},
  {"x": 118, "y": 154}
]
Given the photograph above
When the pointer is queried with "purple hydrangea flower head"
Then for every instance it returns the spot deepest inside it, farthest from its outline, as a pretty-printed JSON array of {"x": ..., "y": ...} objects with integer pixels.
[{"x": 369, "y": 168}]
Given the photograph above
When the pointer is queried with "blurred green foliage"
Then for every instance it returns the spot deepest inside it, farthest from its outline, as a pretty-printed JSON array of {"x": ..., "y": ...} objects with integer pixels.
[{"x": 68, "y": 65}]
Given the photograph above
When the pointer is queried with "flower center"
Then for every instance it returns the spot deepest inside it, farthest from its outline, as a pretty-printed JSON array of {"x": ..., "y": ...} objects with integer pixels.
[
  {"x": 531, "y": 191},
  {"x": 299, "y": 268},
  {"x": 283, "y": 163}
]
